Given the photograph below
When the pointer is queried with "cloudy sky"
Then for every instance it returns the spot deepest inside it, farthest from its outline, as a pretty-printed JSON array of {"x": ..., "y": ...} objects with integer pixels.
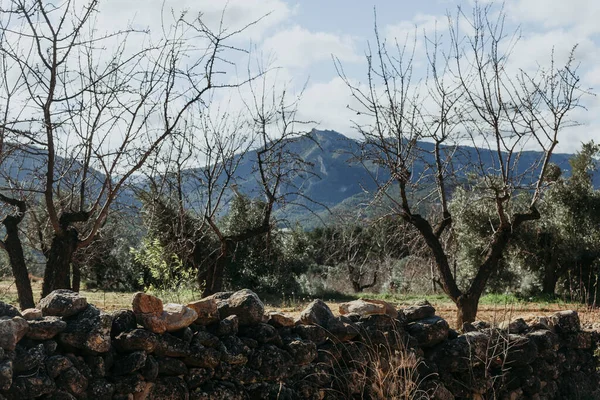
[{"x": 301, "y": 37}]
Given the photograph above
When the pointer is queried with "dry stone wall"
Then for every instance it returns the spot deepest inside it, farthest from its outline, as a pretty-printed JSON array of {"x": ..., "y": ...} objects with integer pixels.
[{"x": 226, "y": 347}]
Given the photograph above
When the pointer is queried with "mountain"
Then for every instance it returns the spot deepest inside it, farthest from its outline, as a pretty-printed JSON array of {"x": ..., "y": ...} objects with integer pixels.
[{"x": 338, "y": 181}]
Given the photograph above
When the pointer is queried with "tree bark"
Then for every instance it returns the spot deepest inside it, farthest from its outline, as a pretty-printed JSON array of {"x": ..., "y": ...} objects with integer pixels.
[
  {"x": 467, "y": 309},
  {"x": 550, "y": 276},
  {"x": 14, "y": 248},
  {"x": 214, "y": 273},
  {"x": 58, "y": 266}
]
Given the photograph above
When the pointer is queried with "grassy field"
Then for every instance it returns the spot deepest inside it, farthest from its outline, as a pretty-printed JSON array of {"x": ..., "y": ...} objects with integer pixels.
[{"x": 493, "y": 308}]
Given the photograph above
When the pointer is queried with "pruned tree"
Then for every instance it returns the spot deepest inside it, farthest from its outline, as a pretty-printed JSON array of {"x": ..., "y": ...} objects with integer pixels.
[
  {"x": 98, "y": 115},
  {"x": 473, "y": 93}
]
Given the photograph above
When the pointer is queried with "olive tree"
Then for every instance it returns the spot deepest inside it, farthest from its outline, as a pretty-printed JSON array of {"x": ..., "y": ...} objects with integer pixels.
[{"x": 472, "y": 94}]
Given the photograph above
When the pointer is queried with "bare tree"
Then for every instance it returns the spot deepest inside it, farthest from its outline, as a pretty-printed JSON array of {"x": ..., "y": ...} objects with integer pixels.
[
  {"x": 472, "y": 94},
  {"x": 99, "y": 115}
]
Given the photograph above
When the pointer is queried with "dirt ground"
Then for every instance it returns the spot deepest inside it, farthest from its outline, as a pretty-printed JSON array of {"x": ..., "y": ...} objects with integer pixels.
[{"x": 493, "y": 313}]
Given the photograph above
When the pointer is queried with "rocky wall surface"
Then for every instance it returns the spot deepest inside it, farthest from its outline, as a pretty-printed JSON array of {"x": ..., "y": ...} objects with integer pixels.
[{"x": 227, "y": 347}]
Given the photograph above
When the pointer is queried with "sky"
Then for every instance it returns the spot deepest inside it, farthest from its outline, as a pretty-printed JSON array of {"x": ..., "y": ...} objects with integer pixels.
[{"x": 301, "y": 37}]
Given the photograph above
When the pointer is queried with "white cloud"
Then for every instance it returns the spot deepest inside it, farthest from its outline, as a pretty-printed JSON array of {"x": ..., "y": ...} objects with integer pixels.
[
  {"x": 581, "y": 15},
  {"x": 235, "y": 14},
  {"x": 297, "y": 47}
]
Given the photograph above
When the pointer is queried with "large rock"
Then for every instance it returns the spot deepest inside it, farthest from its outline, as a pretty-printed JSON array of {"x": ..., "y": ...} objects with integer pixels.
[
  {"x": 6, "y": 310},
  {"x": 364, "y": 307},
  {"x": 246, "y": 305},
  {"x": 280, "y": 320},
  {"x": 206, "y": 309},
  {"x": 421, "y": 310},
  {"x": 45, "y": 328},
  {"x": 178, "y": 316},
  {"x": 566, "y": 321},
  {"x": 143, "y": 303},
  {"x": 11, "y": 331},
  {"x": 32, "y": 313},
  {"x": 316, "y": 313},
  {"x": 122, "y": 321},
  {"x": 137, "y": 339},
  {"x": 63, "y": 303},
  {"x": 89, "y": 331},
  {"x": 517, "y": 325}
]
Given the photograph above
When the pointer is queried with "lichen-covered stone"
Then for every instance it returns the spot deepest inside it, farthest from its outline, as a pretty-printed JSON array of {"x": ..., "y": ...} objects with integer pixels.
[
  {"x": 280, "y": 320},
  {"x": 32, "y": 314},
  {"x": 419, "y": 311},
  {"x": 429, "y": 331},
  {"x": 45, "y": 328},
  {"x": 246, "y": 305},
  {"x": 63, "y": 303},
  {"x": 11, "y": 331},
  {"x": 566, "y": 321},
  {"x": 178, "y": 316},
  {"x": 206, "y": 309},
  {"x": 366, "y": 307},
  {"x": 316, "y": 313},
  {"x": 89, "y": 331},
  {"x": 122, "y": 321},
  {"x": 137, "y": 339},
  {"x": 6, "y": 310}
]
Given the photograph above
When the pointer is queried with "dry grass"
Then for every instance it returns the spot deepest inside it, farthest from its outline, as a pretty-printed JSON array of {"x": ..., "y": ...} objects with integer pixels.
[{"x": 110, "y": 301}]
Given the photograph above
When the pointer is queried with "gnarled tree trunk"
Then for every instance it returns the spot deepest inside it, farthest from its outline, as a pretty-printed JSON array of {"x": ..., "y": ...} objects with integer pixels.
[
  {"x": 14, "y": 248},
  {"x": 58, "y": 266}
]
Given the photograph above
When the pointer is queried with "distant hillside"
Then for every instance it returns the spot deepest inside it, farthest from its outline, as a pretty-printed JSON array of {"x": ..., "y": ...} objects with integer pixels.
[{"x": 339, "y": 181}]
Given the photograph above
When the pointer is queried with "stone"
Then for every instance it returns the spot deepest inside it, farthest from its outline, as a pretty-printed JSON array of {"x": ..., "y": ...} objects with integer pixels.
[
  {"x": 566, "y": 321},
  {"x": 196, "y": 377},
  {"x": 303, "y": 351},
  {"x": 45, "y": 328},
  {"x": 206, "y": 309},
  {"x": 100, "y": 389},
  {"x": 130, "y": 363},
  {"x": 31, "y": 386},
  {"x": 6, "y": 310},
  {"x": 280, "y": 320},
  {"x": 171, "y": 346},
  {"x": 421, "y": 310},
  {"x": 316, "y": 313},
  {"x": 150, "y": 370},
  {"x": 517, "y": 325},
  {"x": 178, "y": 316},
  {"x": 122, "y": 321},
  {"x": 203, "y": 357},
  {"x": 169, "y": 388},
  {"x": 6, "y": 374},
  {"x": 73, "y": 381},
  {"x": 27, "y": 360},
  {"x": 171, "y": 366},
  {"x": 55, "y": 365},
  {"x": 32, "y": 313},
  {"x": 227, "y": 326},
  {"x": 137, "y": 339},
  {"x": 154, "y": 323},
  {"x": 262, "y": 333},
  {"x": 313, "y": 333},
  {"x": 63, "y": 303},
  {"x": 11, "y": 331},
  {"x": 365, "y": 307},
  {"x": 246, "y": 305},
  {"x": 143, "y": 303},
  {"x": 341, "y": 330},
  {"x": 88, "y": 331}
]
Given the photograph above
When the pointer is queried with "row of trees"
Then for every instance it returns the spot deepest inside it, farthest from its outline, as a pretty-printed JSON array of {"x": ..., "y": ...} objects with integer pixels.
[{"x": 79, "y": 122}]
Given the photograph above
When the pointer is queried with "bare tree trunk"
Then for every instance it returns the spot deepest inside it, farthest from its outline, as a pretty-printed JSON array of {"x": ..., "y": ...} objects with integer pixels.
[
  {"x": 14, "y": 248},
  {"x": 76, "y": 276},
  {"x": 58, "y": 266},
  {"x": 467, "y": 309},
  {"x": 550, "y": 276},
  {"x": 215, "y": 272}
]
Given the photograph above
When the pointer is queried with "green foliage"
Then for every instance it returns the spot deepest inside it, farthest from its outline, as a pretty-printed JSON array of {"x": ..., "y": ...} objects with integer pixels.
[
  {"x": 268, "y": 263},
  {"x": 164, "y": 272}
]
